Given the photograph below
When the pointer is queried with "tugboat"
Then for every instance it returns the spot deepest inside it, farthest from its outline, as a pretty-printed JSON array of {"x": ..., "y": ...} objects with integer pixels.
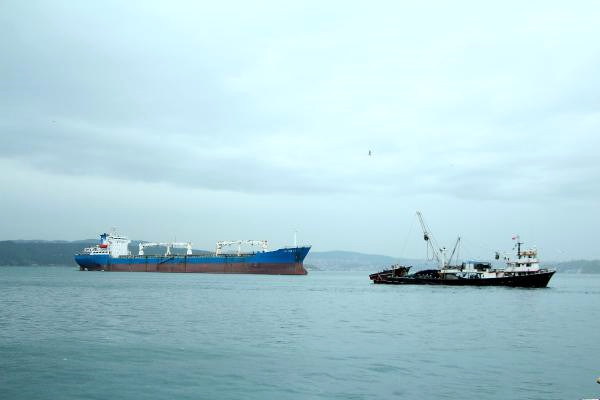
[{"x": 523, "y": 271}]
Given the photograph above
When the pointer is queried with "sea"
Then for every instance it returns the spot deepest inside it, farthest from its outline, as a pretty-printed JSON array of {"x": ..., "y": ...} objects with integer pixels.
[{"x": 67, "y": 334}]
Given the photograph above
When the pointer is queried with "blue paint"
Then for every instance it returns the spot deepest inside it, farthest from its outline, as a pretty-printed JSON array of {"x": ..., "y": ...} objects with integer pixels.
[{"x": 280, "y": 256}]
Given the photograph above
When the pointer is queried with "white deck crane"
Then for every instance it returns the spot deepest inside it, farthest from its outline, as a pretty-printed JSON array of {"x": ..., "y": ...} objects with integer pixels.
[
  {"x": 180, "y": 245},
  {"x": 142, "y": 246},
  {"x": 227, "y": 243},
  {"x": 169, "y": 246}
]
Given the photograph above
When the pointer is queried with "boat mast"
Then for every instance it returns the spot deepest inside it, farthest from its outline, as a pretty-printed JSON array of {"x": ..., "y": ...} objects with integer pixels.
[{"x": 519, "y": 243}]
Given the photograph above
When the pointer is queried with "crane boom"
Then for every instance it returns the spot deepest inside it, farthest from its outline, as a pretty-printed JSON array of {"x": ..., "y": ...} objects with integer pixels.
[
  {"x": 428, "y": 237},
  {"x": 456, "y": 246}
]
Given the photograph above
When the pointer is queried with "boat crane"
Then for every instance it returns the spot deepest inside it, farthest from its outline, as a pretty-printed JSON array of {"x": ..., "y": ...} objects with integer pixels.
[
  {"x": 439, "y": 253},
  {"x": 431, "y": 242},
  {"x": 227, "y": 243},
  {"x": 169, "y": 246},
  {"x": 456, "y": 247}
]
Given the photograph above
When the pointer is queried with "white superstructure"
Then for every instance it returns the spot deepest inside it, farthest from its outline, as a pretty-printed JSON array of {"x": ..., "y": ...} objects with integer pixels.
[
  {"x": 113, "y": 244},
  {"x": 525, "y": 263},
  {"x": 526, "y": 260},
  {"x": 118, "y": 245}
]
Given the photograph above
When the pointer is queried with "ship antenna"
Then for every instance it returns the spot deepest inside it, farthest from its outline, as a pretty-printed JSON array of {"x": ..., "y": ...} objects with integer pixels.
[{"x": 296, "y": 238}]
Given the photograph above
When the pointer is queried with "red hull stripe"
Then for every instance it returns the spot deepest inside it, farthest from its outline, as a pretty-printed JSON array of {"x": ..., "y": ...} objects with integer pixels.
[{"x": 232, "y": 268}]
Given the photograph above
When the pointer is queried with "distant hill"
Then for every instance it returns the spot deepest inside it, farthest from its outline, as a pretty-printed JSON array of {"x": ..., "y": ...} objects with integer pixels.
[
  {"x": 578, "y": 266},
  {"x": 38, "y": 252},
  {"x": 60, "y": 252},
  {"x": 350, "y": 260}
]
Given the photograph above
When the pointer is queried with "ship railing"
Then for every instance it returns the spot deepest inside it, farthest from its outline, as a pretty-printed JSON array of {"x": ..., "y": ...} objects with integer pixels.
[{"x": 95, "y": 250}]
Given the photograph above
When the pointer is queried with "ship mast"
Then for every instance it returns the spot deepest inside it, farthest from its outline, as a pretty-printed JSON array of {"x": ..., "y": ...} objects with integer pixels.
[{"x": 519, "y": 243}]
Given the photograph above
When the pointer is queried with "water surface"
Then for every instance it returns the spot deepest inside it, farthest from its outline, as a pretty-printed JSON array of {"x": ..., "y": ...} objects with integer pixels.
[{"x": 97, "y": 335}]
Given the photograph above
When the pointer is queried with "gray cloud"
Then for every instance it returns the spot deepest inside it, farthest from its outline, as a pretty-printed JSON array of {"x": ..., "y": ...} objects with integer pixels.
[{"x": 462, "y": 102}]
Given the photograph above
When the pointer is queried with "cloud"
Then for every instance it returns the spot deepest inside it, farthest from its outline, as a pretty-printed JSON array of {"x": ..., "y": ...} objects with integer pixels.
[{"x": 484, "y": 102}]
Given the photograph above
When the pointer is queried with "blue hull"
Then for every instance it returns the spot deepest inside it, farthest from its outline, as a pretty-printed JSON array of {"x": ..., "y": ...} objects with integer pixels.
[{"x": 279, "y": 262}]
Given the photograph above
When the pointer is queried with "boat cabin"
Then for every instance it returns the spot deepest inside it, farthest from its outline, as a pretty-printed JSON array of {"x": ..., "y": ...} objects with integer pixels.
[{"x": 476, "y": 266}]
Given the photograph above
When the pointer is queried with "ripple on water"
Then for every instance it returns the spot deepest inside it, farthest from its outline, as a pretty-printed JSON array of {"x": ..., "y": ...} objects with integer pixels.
[{"x": 70, "y": 335}]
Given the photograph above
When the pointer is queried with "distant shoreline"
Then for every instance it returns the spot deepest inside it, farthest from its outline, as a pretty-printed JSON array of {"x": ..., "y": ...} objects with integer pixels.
[{"x": 16, "y": 253}]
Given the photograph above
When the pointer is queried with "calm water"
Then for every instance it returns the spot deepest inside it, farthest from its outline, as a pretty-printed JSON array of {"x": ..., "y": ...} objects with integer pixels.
[{"x": 72, "y": 335}]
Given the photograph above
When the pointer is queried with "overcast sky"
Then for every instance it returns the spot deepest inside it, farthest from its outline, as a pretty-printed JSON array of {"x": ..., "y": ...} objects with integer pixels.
[{"x": 250, "y": 120}]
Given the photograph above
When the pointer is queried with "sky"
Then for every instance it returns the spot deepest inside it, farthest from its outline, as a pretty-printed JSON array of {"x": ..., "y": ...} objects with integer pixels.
[{"x": 228, "y": 120}]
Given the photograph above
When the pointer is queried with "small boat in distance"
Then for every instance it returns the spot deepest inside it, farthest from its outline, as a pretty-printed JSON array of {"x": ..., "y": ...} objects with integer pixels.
[{"x": 523, "y": 271}]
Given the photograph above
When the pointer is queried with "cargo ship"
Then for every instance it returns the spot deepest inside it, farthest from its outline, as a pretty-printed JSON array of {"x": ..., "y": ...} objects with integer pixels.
[
  {"x": 112, "y": 254},
  {"x": 522, "y": 271}
]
